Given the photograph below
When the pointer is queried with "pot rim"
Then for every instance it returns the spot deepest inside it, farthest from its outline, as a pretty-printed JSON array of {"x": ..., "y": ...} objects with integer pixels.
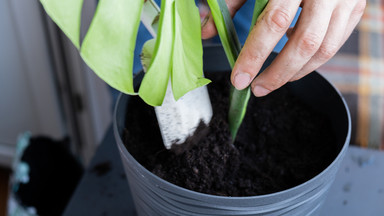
[{"x": 340, "y": 154}]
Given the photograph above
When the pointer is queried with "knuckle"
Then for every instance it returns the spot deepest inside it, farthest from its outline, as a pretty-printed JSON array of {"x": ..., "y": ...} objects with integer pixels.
[
  {"x": 275, "y": 82},
  {"x": 308, "y": 44},
  {"x": 327, "y": 51},
  {"x": 298, "y": 76},
  {"x": 360, "y": 7},
  {"x": 295, "y": 78},
  {"x": 277, "y": 20},
  {"x": 253, "y": 57},
  {"x": 256, "y": 57}
]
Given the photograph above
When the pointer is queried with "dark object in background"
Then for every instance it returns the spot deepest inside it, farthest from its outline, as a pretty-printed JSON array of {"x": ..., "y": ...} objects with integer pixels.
[{"x": 53, "y": 175}]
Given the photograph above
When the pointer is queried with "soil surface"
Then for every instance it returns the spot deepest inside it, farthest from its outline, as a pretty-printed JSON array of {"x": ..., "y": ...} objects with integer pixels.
[{"x": 281, "y": 143}]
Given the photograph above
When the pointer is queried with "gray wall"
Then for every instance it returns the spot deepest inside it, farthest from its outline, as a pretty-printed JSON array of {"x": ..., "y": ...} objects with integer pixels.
[{"x": 27, "y": 92}]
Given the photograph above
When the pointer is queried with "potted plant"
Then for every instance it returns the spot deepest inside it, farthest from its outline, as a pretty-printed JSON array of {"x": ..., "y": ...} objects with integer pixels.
[{"x": 154, "y": 195}]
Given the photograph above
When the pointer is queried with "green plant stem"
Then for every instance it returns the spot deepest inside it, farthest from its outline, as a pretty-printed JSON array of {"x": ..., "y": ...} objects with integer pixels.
[
  {"x": 228, "y": 36},
  {"x": 259, "y": 7},
  {"x": 237, "y": 109},
  {"x": 239, "y": 98},
  {"x": 226, "y": 29}
]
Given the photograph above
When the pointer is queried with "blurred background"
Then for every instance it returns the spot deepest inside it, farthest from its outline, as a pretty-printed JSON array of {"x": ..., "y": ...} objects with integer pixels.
[
  {"x": 45, "y": 87},
  {"x": 47, "y": 90}
]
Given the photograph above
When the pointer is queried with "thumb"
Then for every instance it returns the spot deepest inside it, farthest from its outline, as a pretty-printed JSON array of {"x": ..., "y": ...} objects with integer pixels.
[{"x": 208, "y": 28}]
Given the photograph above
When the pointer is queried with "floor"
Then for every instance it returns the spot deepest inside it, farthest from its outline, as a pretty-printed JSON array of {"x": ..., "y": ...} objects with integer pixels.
[{"x": 4, "y": 178}]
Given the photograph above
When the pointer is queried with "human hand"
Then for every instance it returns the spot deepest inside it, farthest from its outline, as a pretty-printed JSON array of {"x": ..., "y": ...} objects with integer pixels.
[{"x": 322, "y": 28}]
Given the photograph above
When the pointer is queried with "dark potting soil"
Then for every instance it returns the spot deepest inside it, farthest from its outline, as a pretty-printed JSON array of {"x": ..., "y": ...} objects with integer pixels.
[{"x": 281, "y": 143}]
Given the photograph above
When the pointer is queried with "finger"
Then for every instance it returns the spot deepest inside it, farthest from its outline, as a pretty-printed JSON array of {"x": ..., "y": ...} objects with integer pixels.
[
  {"x": 355, "y": 17},
  {"x": 303, "y": 44},
  {"x": 341, "y": 26},
  {"x": 208, "y": 28},
  {"x": 269, "y": 28},
  {"x": 331, "y": 44}
]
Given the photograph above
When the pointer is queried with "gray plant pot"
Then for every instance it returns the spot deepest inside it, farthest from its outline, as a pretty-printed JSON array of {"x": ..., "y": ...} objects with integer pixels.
[{"x": 155, "y": 196}]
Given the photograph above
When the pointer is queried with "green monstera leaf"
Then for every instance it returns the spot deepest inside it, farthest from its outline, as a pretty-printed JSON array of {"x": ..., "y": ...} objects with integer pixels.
[
  {"x": 67, "y": 15},
  {"x": 178, "y": 54},
  {"x": 155, "y": 81},
  {"x": 109, "y": 44},
  {"x": 108, "y": 47},
  {"x": 187, "y": 73}
]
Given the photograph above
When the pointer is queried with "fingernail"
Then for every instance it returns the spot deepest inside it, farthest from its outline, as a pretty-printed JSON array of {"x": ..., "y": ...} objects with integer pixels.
[
  {"x": 259, "y": 91},
  {"x": 241, "y": 80},
  {"x": 205, "y": 20}
]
